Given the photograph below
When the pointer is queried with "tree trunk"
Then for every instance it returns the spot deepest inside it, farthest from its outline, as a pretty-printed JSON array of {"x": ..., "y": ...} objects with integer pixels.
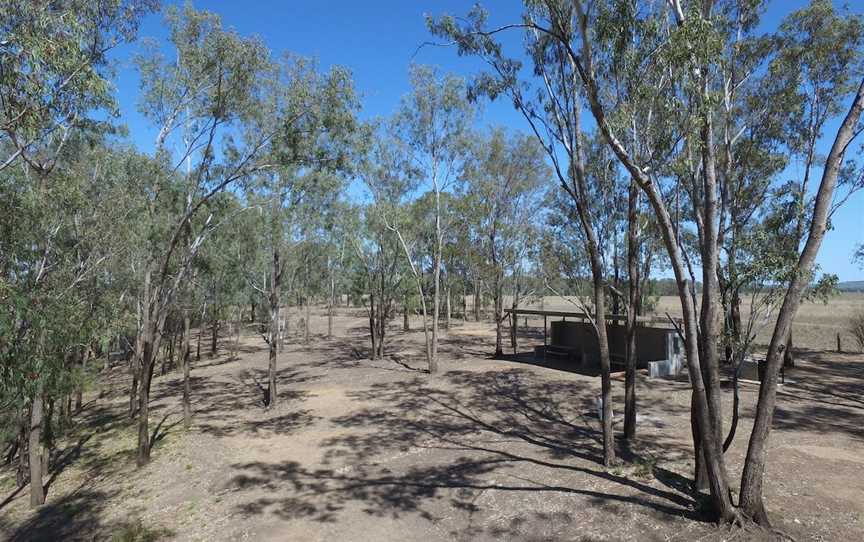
[
  {"x": 464, "y": 305},
  {"x": 436, "y": 295},
  {"x": 788, "y": 355},
  {"x": 23, "y": 473},
  {"x": 709, "y": 317},
  {"x": 144, "y": 406},
  {"x": 447, "y": 316},
  {"x": 15, "y": 445},
  {"x": 757, "y": 449},
  {"x": 514, "y": 323},
  {"x": 79, "y": 391},
  {"x": 134, "y": 368},
  {"x": 48, "y": 432},
  {"x": 237, "y": 331},
  {"x": 214, "y": 336},
  {"x": 498, "y": 301},
  {"x": 406, "y": 326},
  {"x": 382, "y": 323},
  {"x": 373, "y": 333},
  {"x": 186, "y": 361},
  {"x": 605, "y": 367},
  {"x": 330, "y": 317},
  {"x": 476, "y": 304},
  {"x": 146, "y": 374},
  {"x": 308, "y": 317},
  {"x": 632, "y": 301},
  {"x": 275, "y": 283},
  {"x": 37, "y": 492}
]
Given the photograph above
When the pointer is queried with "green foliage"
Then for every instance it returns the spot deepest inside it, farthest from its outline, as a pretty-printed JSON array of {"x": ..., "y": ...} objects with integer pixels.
[{"x": 56, "y": 71}]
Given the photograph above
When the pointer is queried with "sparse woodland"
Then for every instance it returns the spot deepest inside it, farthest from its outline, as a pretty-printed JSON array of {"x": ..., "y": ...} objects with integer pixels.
[{"x": 657, "y": 141}]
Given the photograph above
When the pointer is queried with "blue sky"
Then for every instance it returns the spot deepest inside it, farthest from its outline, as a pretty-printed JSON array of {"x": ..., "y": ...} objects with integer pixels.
[{"x": 378, "y": 39}]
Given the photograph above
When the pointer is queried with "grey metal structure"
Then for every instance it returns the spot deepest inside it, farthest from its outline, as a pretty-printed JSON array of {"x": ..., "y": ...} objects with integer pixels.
[{"x": 659, "y": 347}]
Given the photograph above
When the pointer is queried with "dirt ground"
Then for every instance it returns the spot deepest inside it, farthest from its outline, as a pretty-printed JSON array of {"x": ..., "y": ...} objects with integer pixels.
[{"x": 378, "y": 450}]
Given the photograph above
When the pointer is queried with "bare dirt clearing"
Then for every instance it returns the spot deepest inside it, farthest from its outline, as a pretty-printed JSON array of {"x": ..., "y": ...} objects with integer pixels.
[{"x": 378, "y": 450}]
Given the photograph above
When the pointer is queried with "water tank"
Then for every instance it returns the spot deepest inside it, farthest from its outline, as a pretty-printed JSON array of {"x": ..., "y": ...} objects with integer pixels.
[{"x": 565, "y": 333}]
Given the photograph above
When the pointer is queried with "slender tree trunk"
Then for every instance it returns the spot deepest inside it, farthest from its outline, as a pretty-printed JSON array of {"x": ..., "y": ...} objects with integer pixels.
[
  {"x": 605, "y": 367},
  {"x": 757, "y": 449},
  {"x": 37, "y": 492},
  {"x": 146, "y": 370},
  {"x": 464, "y": 305},
  {"x": 330, "y": 316},
  {"x": 144, "y": 405},
  {"x": 709, "y": 318},
  {"x": 406, "y": 326},
  {"x": 48, "y": 432},
  {"x": 382, "y": 321},
  {"x": 23, "y": 474},
  {"x": 430, "y": 359},
  {"x": 447, "y": 315},
  {"x": 514, "y": 321},
  {"x": 18, "y": 442},
  {"x": 135, "y": 370},
  {"x": 237, "y": 331},
  {"x": 632, "y": 302},
  {"x": 373, "y": 332},
  {"x": 498, "y": 301},
  {"x": 788, "y": 354},
  {"x": 436, "y": 296},
  {"x": 275, "y": 283},
  {"x": 79, "y": 391},
  {"x": 214, "y": 336},
  {"x": 308, "y": 318},
  {"x": 476, "y": 304},
  {"x": 187, "y": 362}
]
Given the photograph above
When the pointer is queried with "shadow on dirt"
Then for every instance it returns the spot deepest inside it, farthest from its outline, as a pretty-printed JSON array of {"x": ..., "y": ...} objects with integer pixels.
[{"x": 482, "y": 429}]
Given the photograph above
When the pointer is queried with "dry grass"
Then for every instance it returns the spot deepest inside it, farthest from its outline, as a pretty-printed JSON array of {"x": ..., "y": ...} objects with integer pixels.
[
  {"x": 816, "y": 324},
  {"x": 815, "y": 328}
]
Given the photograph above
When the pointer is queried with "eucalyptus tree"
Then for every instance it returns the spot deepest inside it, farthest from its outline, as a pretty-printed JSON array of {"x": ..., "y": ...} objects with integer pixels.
[
  {"x": 551, "y": 105},
  {"x": 504, "y": 181},
  {"x": 433, "y": 121},
  {"x": 56, "y": 238},
  {"x": 831, "y": 55},
  {"x": 312, "y": 116},
  {"x": 219, "y": 271},
  {"x": 381, "y": 271},
  {"x": 313, "y": 225},
  {"x": 391, "y": 175},
  {"x": 200, "y": 95},
  {"x": 692, "y": 56},
  {"x": 55, "y": 72},
  {"x": 814, "y": 70},
  {"x": 339, "y": 221}
]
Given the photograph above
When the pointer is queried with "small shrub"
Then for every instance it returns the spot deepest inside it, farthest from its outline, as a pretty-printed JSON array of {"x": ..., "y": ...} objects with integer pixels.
[
  {"x": 644, "y": 468},
  {"x": 856, "y": 326},
  {"x": 138, "y": 532}
]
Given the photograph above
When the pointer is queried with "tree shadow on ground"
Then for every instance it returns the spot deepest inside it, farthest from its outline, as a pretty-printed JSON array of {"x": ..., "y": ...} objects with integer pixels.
[
  {"x": 75, "y": 516},
  {"x": 224, "y": 406},
  {"x": 822, "y": 397},
  {"x": 421, "y": 444}
]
